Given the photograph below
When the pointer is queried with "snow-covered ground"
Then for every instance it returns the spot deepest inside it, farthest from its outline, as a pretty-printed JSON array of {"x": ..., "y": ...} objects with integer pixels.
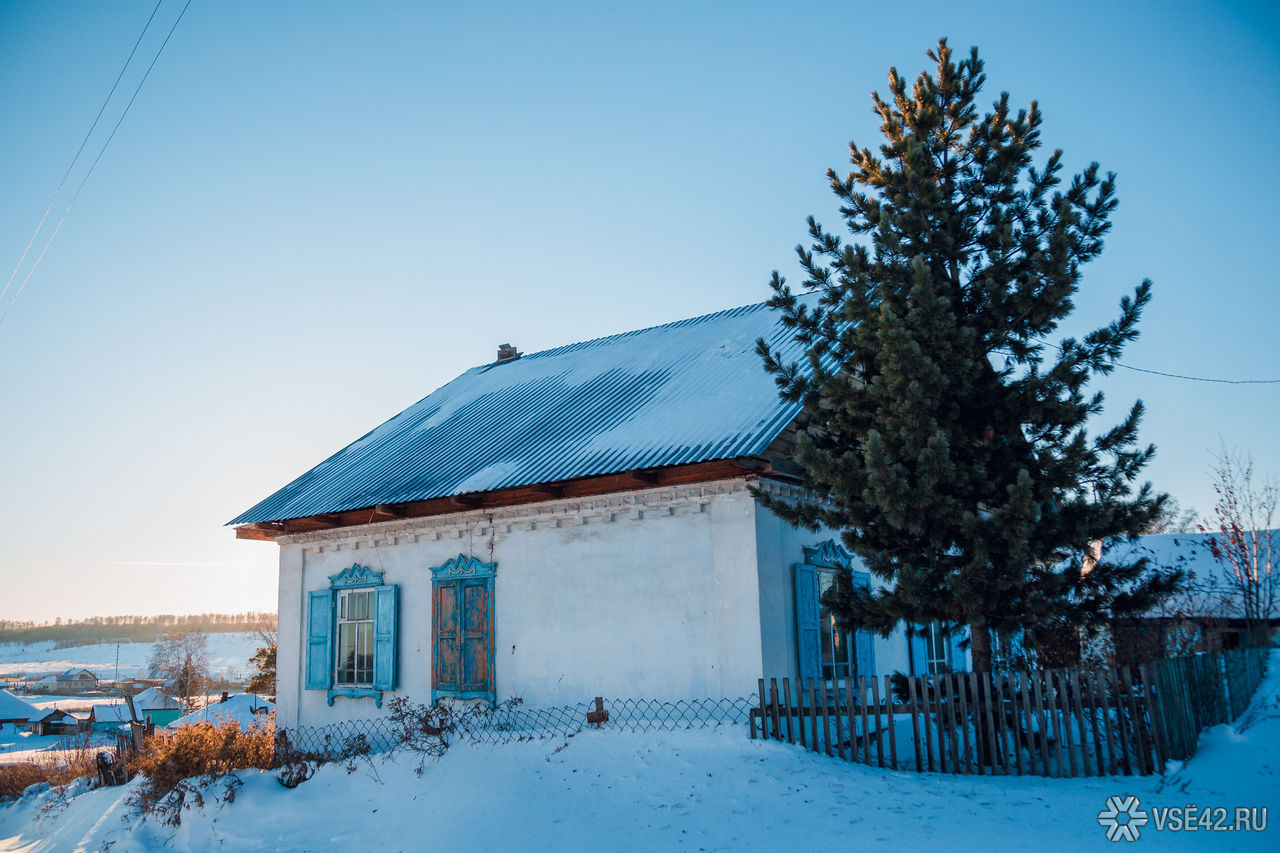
[
  {"x": 704, "y": 790},
  {"x": 228, "y": 657}
]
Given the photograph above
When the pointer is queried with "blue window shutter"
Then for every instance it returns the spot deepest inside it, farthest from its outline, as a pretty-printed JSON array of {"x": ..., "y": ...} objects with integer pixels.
[
  {"x": 959, "y": 657},
  {"x": 384, "y": 638},
  {"x": 919, "y": 650},
  {"x": 863, "y": 648},
  {"x": 319, "y": 648},
  {"x": 808, "y": 652}
]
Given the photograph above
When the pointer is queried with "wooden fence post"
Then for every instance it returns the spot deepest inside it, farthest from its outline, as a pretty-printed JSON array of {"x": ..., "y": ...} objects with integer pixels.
[{"x": 915, "y": 719}]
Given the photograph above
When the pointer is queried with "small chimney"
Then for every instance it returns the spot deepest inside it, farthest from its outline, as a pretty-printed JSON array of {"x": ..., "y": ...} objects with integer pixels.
[{"x": 506, "y": 352}]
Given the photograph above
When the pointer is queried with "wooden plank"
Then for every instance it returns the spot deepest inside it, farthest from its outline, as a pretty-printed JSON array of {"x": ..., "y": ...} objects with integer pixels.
[
  {"x": 850, "y": 717},
  {"x": 837, "y": 716},
  {"x": 962, "y": 693},
  {"x": 926, "y": 693},
  {"x": 764, "y": 720},
  {"x": 1028, "y": 734},
  {"x": 1151, "y": 693},
  {"x": 1055, "y": 704},
  {"x": 1122, "y": 728},
  {"x": 893, "y": 736},
  {"x": 813, "y": 716},
  {"x": 866, "y": 730},
  {"x": 915, "y": 720},
  {"x": 1077, "y": 715},
  {"x": 875, "y": 698},
  {"x": 1037, "y": 694},
  {"x": 1065, "y": 718},
  {"x": 983, "y": 727},
  {"x": 1099, "y": 734},
  {"x": 773, "y": 708},
  {"x": 1137, "y": 724},
  {"x": 826, "y": 717},
  {"x": 786, "y": 703},
  {"x": 1009, "y": 758},
  {"x": 953, "y": 734}
]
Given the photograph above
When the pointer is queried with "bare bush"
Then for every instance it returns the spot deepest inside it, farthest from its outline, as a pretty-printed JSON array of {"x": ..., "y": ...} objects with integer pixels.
[
  {"x": 1241, "y": 538},
  {"x": 181, "y": 767}
]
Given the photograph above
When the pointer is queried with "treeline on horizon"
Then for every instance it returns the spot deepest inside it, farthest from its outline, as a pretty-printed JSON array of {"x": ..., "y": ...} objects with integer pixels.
[{"x": 136, "y": 629}]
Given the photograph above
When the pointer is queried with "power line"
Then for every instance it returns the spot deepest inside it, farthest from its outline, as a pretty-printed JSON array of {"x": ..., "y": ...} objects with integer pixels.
[
  {"x": 92, "y": 166},
  {"x": 80, "y": 150},
  {"x": 1177, "y": 375}
]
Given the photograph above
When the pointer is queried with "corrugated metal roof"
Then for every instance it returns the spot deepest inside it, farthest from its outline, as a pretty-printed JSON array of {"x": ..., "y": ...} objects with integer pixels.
[{"x": 690, "y": 391}]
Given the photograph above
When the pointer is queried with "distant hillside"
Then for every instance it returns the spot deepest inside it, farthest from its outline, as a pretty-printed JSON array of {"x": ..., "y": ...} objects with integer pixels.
[{"x": 137, "y": 629}]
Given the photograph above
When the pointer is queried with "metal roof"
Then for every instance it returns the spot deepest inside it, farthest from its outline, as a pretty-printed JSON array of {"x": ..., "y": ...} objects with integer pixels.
[{"x": 689, "y": 391}]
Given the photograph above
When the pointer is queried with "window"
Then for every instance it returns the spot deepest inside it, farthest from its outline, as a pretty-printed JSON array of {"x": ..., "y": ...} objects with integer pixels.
[
  {"x": 935, "y": 648},
  {"x": 822, "y": 649},
  {"x": 355, "y": 637},
  {"x": 837, "y": 662},
  {"x": 352, "y": 635},
  {"x": 462, "y": 629}
]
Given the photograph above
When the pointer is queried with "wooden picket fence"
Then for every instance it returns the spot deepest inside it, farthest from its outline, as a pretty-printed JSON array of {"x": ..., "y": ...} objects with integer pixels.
[{"x": 1057, "y": 722}]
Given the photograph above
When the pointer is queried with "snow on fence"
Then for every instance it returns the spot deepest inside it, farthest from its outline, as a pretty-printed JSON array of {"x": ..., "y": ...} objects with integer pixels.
[
  {"x": 508, "y": 723},
  {"x": 1058, "y": 722}
]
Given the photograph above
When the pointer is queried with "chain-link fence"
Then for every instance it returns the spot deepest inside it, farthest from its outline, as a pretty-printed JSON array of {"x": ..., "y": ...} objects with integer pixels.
[{"x": 513, "y": 722}]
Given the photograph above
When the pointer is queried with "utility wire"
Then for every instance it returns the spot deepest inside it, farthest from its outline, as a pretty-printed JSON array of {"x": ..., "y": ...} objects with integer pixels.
[
  {"x": 94, "y": 165},
  {"x": 1174, "y": 375},
  {"x": 80, "y": 151}
]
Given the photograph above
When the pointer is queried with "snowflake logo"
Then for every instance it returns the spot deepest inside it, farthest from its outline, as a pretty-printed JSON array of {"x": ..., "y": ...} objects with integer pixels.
[{"x": 1122, "y": 818}]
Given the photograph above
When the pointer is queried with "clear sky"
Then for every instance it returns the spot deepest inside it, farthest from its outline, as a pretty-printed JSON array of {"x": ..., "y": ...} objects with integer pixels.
[{"x": 316, "y": 213}]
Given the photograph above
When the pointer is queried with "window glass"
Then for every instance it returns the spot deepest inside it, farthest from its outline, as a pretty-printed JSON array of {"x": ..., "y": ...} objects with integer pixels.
[
  {"x": 837, "y": 645},
  {"x": 355, "y": 638}
]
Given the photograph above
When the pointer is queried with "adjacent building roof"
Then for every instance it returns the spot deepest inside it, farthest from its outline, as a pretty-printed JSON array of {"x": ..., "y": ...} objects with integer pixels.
[
  {"x": 117, "y": 713},
  {"x": 12, "y": 708},
  {"x": 74, "y": 674},
  {"x": 245, "y": 709},
  {"x": 690, "y": 391},
  {"x": 154, "y": 699}
]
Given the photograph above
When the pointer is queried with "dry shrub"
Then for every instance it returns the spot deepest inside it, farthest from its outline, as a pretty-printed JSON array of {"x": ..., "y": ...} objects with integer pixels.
[
  {"x": 179, "y": 767},
  {"x": 75, "y": 757}
]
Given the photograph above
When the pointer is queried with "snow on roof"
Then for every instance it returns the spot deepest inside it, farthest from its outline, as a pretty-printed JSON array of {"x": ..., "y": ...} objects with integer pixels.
[
  {"x": 1189, "y": 552},
  {"x": 154, "y": 699},
  {"x": 118, "y": 713},
  {"x": 689, "y": 391},
  {"x": 13, "y": 708},
  {"x": 73, "y": 674},
  {"x": 246, "y": 709}
]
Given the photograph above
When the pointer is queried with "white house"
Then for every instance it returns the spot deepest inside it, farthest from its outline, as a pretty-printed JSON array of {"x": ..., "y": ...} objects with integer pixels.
[{"x": 567, "y": 524}]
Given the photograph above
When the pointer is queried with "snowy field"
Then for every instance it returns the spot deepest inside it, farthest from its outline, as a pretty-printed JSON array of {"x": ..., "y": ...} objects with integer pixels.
[
  {"x": 228, "y": 657},
  {"x": 707, "y": 790}
]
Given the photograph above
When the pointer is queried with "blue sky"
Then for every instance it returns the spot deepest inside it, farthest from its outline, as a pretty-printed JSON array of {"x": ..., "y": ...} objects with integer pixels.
[{"x": 317, "y": 213}]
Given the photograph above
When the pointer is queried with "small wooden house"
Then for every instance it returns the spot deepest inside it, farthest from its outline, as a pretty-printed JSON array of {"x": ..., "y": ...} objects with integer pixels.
[{"x": 571, "y": 523}]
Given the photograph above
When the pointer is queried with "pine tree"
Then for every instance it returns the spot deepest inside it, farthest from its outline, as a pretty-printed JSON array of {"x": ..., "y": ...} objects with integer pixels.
[{"x": 939, "y": 431}]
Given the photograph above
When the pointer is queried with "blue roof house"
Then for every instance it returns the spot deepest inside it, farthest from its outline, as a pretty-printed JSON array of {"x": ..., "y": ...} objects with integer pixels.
[{"x": 562, "y": 525}]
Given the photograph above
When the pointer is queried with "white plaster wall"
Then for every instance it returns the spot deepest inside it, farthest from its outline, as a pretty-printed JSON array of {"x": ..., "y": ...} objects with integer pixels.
[
  {"x": 649, "y": 594},
  {"x": 779, "y": 547}
]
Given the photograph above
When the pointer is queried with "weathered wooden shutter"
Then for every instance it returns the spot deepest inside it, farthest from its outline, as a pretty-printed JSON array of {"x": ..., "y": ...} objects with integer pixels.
[
  {"x": 808, "y": 634},
  {"x": 445, "y": 672},
  {"x": 864, "y": 641},
  {"x": 319, "y": 647},
  {"x": 476, "y": 621},
  {"x": 384, "y": 638}
]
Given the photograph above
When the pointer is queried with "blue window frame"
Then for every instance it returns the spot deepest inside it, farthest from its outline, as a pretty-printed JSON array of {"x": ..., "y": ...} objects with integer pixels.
[
  {"x": 352, "y": 634},
  {"x": 822, "y": 649}
]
